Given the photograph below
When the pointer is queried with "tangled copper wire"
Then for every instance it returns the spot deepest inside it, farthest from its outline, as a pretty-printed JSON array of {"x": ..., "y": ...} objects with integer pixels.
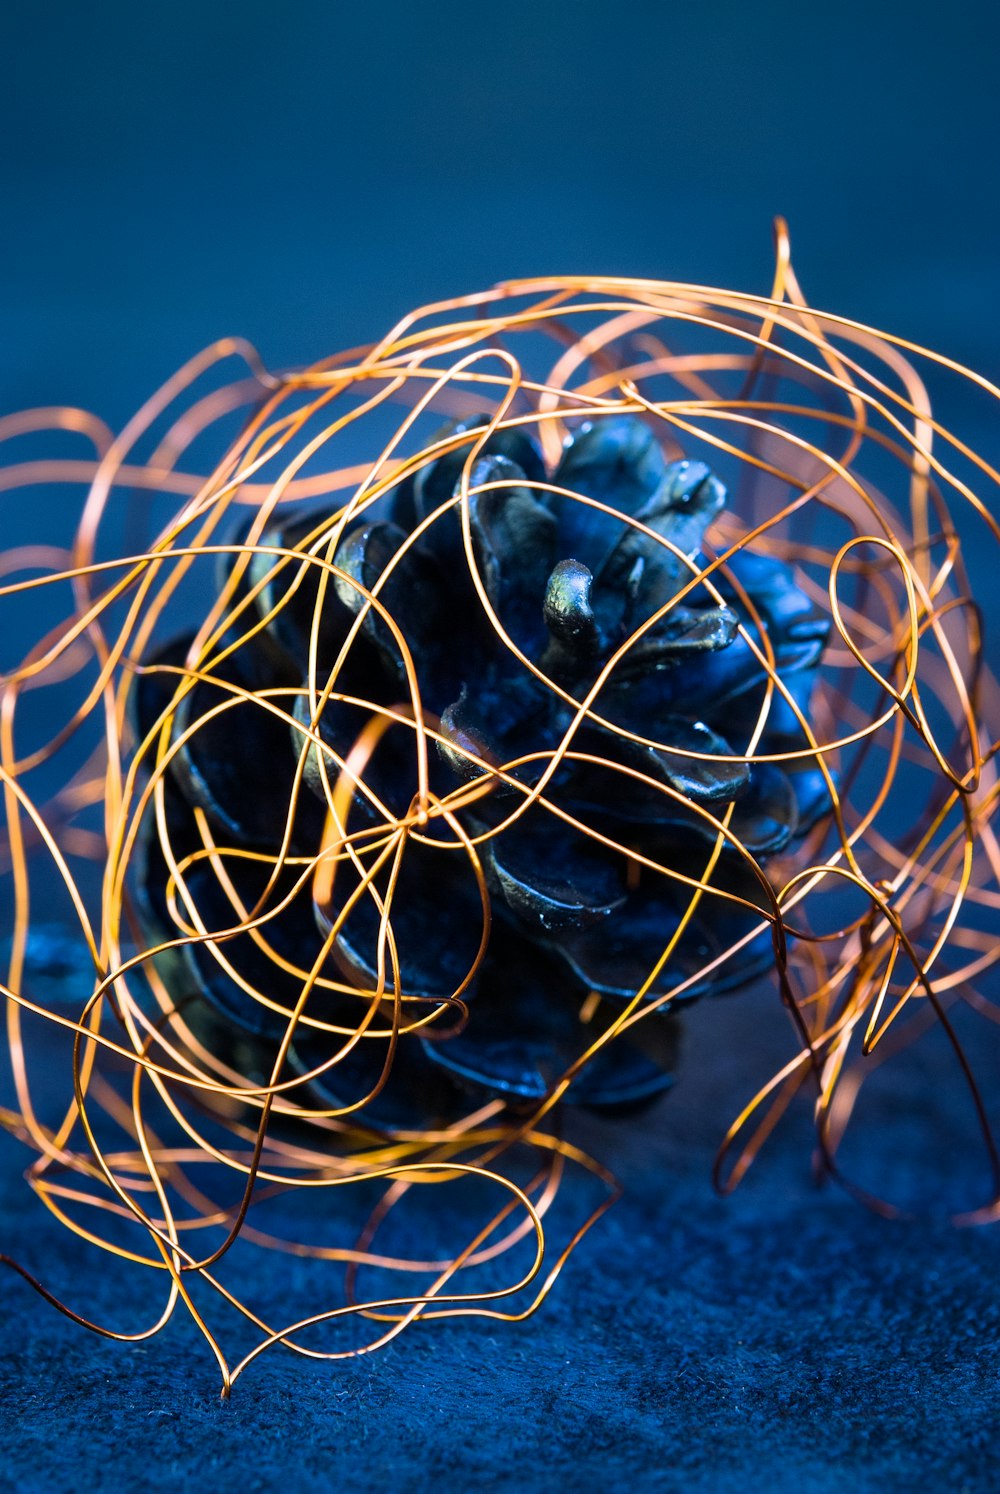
[{"x": 163, "y": 1153}]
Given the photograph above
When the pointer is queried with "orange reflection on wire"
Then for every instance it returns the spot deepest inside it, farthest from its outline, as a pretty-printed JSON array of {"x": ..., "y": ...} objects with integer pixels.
[{"x": 882, "y": 921}]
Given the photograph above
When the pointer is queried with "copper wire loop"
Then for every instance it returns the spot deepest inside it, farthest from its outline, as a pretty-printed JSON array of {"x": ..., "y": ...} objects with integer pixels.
[{"x": 166, "y": 1155}]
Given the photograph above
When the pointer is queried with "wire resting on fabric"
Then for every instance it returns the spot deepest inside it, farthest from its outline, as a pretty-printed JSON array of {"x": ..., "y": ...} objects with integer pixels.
[{"x": 169, "y": 1147}]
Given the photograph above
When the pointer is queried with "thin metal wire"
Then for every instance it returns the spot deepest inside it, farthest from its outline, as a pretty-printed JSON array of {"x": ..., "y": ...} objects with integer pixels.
[{"x": 804, "y": 407}]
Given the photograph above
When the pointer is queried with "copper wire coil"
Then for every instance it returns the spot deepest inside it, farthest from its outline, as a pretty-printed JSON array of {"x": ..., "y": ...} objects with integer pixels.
[{"x": 883, "y": 920}]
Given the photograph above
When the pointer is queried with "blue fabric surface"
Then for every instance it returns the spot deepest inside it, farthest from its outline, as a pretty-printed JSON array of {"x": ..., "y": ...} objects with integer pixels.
[{"x": 783, "y": 1337}]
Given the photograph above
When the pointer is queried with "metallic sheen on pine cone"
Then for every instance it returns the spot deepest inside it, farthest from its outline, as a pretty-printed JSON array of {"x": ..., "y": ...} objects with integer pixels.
[{"x": 580, "y": 588}]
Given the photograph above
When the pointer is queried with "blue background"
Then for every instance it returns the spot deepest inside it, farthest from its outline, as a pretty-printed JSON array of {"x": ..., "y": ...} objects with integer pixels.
[{"x": 302, "y": 174}]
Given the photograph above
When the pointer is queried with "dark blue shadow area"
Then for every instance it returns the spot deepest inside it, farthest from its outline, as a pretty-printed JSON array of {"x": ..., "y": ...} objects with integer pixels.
[{"x": 302, "y": 176}]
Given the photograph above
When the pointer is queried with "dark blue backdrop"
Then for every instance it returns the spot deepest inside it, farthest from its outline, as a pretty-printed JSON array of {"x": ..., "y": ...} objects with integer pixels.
[{"x": 303, "y": 174}]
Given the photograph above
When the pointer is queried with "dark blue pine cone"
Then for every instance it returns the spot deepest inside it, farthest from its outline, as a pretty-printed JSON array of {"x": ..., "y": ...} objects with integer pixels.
[{"x": 576, "y": 925}]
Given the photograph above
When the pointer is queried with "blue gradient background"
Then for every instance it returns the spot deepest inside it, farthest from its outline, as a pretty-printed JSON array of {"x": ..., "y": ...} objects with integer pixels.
[{"x": 302, "y": 174}]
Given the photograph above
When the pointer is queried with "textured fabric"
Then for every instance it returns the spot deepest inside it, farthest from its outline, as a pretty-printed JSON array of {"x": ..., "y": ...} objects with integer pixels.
[{"x": 782, "y": 1338}]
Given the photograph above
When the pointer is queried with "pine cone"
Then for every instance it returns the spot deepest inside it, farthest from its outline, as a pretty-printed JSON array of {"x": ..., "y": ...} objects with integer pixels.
[{"x": 577, "y": 923}]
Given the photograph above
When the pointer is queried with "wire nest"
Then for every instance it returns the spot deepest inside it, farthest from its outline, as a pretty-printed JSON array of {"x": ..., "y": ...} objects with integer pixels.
[{"x": 383, "y": 850}]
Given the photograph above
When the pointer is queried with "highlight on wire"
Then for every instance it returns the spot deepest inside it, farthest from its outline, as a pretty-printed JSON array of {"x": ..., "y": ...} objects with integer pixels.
[{"x": 402, "y": 742}]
